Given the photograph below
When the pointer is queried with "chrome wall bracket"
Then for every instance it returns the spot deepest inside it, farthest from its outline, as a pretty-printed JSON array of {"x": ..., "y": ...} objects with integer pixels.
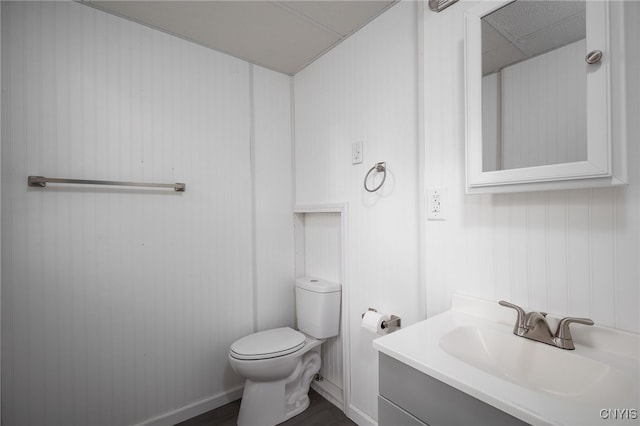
[{"x": 392, "y": 323}]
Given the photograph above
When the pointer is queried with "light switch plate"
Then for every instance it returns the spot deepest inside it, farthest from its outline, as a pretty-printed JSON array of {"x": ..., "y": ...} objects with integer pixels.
[{"x": 356, "y": 152}]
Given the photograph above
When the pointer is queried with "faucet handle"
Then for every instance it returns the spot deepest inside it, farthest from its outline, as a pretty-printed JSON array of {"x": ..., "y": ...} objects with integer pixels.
[
  {"x": 519, "y": 327},
  {"x": 563, "y": 334}
]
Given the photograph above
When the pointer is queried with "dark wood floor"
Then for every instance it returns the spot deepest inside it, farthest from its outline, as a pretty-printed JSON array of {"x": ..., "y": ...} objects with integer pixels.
[{"x": 320, "y": 413}]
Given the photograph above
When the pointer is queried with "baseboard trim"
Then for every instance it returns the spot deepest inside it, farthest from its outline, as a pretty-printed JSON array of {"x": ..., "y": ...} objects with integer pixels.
[
  {"x": 194, "y": 409},
  {"x": 334, "y": 395},
  {"x": 330, "y": 392},
  {"x": 360, "y": 417}
]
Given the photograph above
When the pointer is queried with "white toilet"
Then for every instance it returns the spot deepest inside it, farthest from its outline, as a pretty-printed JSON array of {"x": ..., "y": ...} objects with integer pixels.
[{"x": 279, "y": 364}]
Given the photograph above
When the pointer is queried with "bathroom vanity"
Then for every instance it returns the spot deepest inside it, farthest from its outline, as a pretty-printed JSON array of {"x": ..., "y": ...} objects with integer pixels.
[
  {"x": 465, "y": 366},
  {"x": 403, "y": 401}
]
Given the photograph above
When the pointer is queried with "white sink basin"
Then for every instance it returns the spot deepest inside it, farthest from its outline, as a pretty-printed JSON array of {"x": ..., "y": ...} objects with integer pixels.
[
  {"x": 472, "y": 348},
  {"x": 537, "y": 366}
]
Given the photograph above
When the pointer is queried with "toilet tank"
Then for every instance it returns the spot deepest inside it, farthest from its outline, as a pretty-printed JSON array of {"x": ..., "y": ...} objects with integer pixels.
[{"x": 318, "y": 307}]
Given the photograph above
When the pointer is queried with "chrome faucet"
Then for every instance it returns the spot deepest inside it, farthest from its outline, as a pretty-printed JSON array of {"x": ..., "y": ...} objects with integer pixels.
[{"x": 534, "y": 326}]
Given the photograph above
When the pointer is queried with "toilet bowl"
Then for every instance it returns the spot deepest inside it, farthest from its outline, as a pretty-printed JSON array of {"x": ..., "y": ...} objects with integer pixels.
[
  {"x": 276, "y": 386},
  {"x": 279, "y": 364}
]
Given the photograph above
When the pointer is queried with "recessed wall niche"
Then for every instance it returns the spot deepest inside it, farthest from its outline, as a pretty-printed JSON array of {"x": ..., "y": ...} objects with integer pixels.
[{"x": 319, "y": 253}]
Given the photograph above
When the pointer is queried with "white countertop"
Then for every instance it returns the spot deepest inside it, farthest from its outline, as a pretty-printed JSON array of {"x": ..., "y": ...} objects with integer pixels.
[{"x": 419, "y": 346}]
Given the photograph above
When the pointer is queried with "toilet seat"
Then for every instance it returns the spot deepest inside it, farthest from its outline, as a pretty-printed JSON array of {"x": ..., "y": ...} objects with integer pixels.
[{"x": 266, "y": 344}]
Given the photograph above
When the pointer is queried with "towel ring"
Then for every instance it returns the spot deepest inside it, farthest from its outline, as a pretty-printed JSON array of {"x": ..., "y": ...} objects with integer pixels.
[{"x": 379, "y": 167}]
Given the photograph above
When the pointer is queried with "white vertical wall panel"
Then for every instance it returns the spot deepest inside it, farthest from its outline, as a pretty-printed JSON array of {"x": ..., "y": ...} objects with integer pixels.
[
  {"x": 119, "y": 304},
  {"x": 322, "y": 259},
  {"x": 273, "y": 175},
  {"x": 365, "y": 89},
  {"x": 627, "y": 203},
  {"x": 567, "y": 252},
  {"x": 322, "y": 246}
]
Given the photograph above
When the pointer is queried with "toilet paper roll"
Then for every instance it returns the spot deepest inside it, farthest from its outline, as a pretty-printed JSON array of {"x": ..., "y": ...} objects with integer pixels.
[{"x": 372, "y": 321}]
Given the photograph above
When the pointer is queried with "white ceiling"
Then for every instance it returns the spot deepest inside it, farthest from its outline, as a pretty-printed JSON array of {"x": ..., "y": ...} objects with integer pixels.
[
  {"x": 528, "y": 28},
  {"x": 284, "y": 36}
]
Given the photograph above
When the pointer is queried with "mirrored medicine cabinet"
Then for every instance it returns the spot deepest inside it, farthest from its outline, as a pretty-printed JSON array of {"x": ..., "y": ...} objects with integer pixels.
[{"x": 544, "y": 95}]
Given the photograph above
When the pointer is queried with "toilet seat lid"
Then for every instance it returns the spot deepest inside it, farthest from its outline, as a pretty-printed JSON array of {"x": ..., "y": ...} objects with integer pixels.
[{"x": 268, "y": 344}]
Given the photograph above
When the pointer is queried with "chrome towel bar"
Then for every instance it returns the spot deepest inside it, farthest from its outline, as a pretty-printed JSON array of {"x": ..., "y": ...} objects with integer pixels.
[{"x": 41, "y": 181}]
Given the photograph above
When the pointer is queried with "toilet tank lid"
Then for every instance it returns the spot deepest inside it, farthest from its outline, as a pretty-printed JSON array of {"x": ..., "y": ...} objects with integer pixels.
[{"x": 318, "y": 285}]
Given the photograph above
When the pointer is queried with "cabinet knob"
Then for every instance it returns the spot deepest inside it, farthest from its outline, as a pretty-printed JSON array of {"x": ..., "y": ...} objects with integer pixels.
[{"x": 593, "y": 57}]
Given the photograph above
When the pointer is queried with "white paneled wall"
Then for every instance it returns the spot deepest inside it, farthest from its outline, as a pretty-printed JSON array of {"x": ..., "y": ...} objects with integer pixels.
[
  {"x": 119, "y": 305},
  {"x": 566, "y": 252},
  {"x": 365, "y": 89},
  {"x": 273, "y": 174},
  {"x": 323, "y": 259}
]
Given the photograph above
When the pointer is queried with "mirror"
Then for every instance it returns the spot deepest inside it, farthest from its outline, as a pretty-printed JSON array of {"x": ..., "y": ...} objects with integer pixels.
[
  {"x": 538, "y": 98},
  {"x": 533, "y": 85}
]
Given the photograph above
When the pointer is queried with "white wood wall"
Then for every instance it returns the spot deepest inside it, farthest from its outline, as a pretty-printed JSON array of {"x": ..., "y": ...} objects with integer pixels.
[
  {"x": 119, "y": 305},
  {"x": 322, "y": 259},
  {"x": 273, "y": 195},
  {"x": 567, "y": 252},
  {"x": 365, "y": 89}
]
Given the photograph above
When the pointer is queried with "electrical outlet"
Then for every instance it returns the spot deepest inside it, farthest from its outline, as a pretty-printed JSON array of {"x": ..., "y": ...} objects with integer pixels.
[
  {"x": 436, "y": 202},
  {"x": 356, "y": 152}
]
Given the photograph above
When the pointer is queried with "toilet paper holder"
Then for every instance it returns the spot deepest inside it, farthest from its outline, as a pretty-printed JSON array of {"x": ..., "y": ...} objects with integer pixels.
[{"x": 393, "y": 323}]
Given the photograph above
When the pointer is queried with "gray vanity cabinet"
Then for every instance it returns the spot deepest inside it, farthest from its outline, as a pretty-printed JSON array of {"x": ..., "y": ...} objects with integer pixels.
[{"x": 409, "y": 397}]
